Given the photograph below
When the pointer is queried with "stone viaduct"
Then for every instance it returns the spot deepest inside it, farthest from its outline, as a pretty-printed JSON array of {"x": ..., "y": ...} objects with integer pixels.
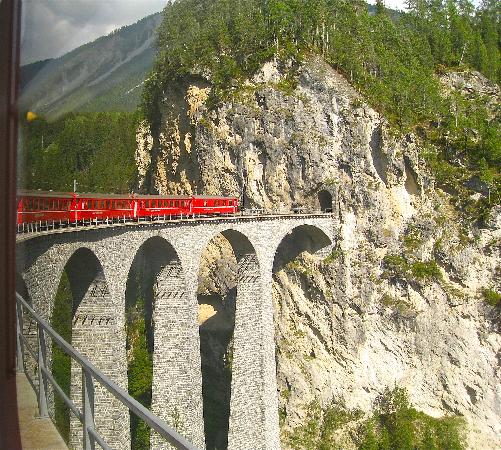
[{"x": 98, "y": 263}]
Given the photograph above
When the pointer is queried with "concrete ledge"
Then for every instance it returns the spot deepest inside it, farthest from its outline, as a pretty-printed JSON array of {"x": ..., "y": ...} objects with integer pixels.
[{"x": 36, "y": 433}]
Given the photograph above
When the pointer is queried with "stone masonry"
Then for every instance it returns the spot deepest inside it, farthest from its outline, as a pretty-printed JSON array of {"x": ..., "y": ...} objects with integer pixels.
[{"x": 98, "y": 263}]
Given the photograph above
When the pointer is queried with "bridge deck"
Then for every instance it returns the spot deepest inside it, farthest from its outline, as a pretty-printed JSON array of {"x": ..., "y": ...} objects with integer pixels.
[
  {"x": 161, "y": 222},
  {"x": 36, "y": 433}
]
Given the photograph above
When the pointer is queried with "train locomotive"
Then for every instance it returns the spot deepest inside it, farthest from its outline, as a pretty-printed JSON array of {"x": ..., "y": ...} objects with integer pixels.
[{"x": 73, "y": 208}]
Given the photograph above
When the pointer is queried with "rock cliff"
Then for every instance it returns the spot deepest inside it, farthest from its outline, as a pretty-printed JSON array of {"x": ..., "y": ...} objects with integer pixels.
[{"x": 399, "y": 301}]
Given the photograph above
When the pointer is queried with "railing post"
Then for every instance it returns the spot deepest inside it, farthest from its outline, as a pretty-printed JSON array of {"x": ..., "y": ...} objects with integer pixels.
[
  {"x": 88, "y": 409},
  {"x": 42, "y": 385},
  {"x": 19, "y": 331}
]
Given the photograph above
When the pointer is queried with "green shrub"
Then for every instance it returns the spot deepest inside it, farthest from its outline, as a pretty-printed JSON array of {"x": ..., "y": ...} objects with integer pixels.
[
  {"x": 398, "y": 266},
  {"x": 412, "y": 240},
  {"x": 395, "y": 266},
  {"x": 395, "y": 303},
  {"x": 426, "y": 270},
  {"x": 492, "y": 297},
  {"x": 334, "y": 256},
  {"x": 395, "y": 424}
]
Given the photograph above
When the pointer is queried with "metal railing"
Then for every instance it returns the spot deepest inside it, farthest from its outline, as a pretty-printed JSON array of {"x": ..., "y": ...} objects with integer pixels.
[{"x": 90, "y": 374}]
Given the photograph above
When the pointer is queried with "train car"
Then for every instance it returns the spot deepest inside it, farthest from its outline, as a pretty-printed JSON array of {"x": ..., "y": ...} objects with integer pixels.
[
  {"x": 205, "y": 204},
  {"x": 58, "y": 207},
  {"x": 41, "y": 206},
  {"x": 163, "y": 205},
  {"x": 100, "y": 207}
]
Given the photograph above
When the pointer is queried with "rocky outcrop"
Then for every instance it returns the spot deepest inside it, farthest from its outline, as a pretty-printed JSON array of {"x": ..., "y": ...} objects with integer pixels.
[{"x": 399, "y": 300}]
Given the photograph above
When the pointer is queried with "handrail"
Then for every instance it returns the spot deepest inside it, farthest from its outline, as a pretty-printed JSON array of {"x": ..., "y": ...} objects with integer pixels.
[{"x": 89, "y": 373}]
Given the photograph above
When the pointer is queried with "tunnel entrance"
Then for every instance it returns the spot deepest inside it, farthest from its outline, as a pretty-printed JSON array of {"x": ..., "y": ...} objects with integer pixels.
[{"x": 325, "y": 201}]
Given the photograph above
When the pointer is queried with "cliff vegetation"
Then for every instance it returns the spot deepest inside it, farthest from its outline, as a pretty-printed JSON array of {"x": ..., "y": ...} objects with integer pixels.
[{"x": 394, "y": 60}]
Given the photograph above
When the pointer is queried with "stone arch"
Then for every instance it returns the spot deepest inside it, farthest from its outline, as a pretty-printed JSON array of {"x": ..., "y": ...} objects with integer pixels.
[
  {"x": 325, "y": 201},
  {"x": 156, "y": 276},
  {"x": 92, "y": 312},
  {"x": 292, "y": 248},
  {"x": 303, "y": 238},
  {"x": 246, "y": 410}
]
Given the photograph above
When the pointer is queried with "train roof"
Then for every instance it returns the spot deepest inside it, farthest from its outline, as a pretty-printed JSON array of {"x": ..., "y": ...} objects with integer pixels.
[
  {"x": 56, "y": 194},
  {"x": 100, "y": 196},
  {"x": 180, "y": 197},
  {"x": 162, "y": 197},
  {"x": 45, "y": 194},
  {"x": 216, "y": 196}
]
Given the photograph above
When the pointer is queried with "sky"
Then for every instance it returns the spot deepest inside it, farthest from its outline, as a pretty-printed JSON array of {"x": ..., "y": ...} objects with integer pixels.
[{"x": 51, "y": 28}]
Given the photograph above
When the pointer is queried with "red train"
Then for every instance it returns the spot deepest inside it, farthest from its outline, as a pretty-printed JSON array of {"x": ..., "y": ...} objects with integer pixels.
[{"x": 58, "y": 207}]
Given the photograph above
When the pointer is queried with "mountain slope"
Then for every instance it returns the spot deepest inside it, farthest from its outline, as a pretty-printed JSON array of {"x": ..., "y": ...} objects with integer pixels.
[{"x": 104, "y": 75}]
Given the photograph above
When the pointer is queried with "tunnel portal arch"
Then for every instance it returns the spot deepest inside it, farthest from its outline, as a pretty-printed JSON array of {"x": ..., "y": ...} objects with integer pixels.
[{"x": 325, "y": 201}]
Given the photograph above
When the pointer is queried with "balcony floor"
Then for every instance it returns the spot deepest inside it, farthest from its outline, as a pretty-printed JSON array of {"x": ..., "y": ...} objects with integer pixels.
[{"x": 36, "y": 433}]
